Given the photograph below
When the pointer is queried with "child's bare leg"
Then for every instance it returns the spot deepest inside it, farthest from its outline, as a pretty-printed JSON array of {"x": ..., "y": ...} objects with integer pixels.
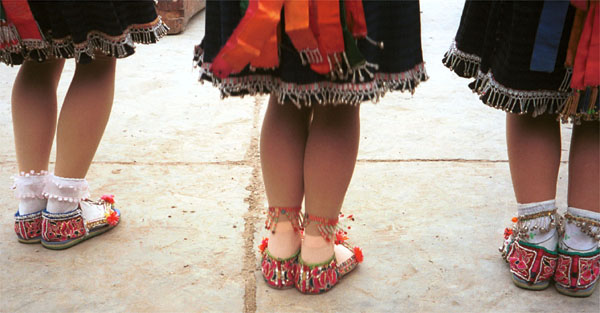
[
  {"x": 34, "y": 112},
  {"x": 84, "y": 115},
  {"x": 533, "y": 156},
  {"x": 584, "y": 188},
  {"x": 283, "y": 138},
  {"x": 584, "y": 167},
  {"x": 329, "y": 162},
  {"x": 34, "y": 123},
  {"x": 81, "y": 124}
]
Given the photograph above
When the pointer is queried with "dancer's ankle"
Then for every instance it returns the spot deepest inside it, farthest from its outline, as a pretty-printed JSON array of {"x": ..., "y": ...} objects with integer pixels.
[
  {"x": 315, "y": 249},
  {"x": 64, "y": 194},
  {"x": 537, "y": 224},
  {"x": 284, "y": 223},
  {"x": 29, "y": 189},
  {"x": 284, "y": 242},
  {"x": 581, "y": 231}
]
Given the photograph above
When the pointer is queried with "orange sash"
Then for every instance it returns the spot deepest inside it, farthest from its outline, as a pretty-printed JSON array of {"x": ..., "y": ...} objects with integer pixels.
[{"x": 314, "y": 27}]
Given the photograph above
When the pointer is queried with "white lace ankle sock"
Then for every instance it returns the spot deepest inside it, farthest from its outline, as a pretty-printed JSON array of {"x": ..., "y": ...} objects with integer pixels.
[
  {"x": 29, "y": 188},
  {"x": 537, "y": 229},
  {"x": 64, "y": 194},
  {"x": 315, "y": 249},
  {"x": 574, "y": 239}
]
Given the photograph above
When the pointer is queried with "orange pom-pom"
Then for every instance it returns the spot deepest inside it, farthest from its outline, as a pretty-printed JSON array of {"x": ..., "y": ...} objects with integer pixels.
[
  {"x": 108, "y": 198},
  {"x": 263, "y": 245},
  {"x": 507, "y": 233},
  {"x": 112, "y": 219},
  {"x": 358, "y": 254},
  {"x": 515, "y": 219}
]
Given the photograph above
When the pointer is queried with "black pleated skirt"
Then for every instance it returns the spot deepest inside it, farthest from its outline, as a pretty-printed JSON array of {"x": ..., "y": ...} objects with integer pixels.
[
  {"x": 494, "y": 45},
  {"x": 79, "y": 29},
  {"x": 399, "y": 64}
]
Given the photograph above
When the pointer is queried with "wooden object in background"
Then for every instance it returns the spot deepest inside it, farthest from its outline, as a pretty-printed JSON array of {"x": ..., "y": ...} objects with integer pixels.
[{"x": 177, "y": 13}]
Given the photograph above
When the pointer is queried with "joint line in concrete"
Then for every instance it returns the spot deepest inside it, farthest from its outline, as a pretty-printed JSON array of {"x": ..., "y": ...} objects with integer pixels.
[{"x": 254, "y": 200}]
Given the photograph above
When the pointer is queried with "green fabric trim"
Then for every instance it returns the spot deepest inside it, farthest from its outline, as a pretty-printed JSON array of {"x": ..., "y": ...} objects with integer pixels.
[
  {"x": 2, "y": 14},
  {"x": 355, "y": 58},
  {"x": 316, "y": 264},
  {"x": 243, "y": 7},
  {"x": 561, "y": 251},
  {"x": 531, "y": 245},
  {"x": 282, "y": 259}
]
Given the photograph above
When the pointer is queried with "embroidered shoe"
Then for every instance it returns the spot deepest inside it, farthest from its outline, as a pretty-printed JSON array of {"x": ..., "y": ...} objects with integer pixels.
[
  {"x": 29, "y": 186},
  {"x": 352, "y": 262},
  {"x": 317, "y": 278},
  {"x": 322, "y": 277},
  {"x": 28, "y": 227},
  {"x": 280, "y": 273},
  {"x": 91, "y": 218},
  {"x": 577, "y": 273},
  {"x": 531, "y": 265}
]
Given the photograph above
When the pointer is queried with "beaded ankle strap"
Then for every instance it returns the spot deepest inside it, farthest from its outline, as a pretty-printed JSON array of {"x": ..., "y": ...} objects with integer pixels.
[
  {"x": 293, "y": 215},
  {"x": 328, "y": 227},
  {"x": 536, "y": 215},
  {"x": 588, "y": 226},
  {"x": 542, "y": 221}
]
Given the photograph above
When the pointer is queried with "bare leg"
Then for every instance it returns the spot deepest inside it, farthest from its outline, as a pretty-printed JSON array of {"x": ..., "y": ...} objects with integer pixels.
[
  {"x": 584, "y": 189},
  {"x": 329, "y": 162},
  {"x": 84, "y": 116},
  {"x": 282, "y": 142},
  {"x": 533, "y": 156},
  {"x": 584, "y": 167},
  {"x": 34, "y": 112}
]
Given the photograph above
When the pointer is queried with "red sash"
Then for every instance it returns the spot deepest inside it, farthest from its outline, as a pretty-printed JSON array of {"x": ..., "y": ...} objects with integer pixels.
[
  {"x": 19, "y": 15},
  {"x": 355, "y": 18},
  {"x": 586, "y": 68},
  {"x": 313, "y": 26}
]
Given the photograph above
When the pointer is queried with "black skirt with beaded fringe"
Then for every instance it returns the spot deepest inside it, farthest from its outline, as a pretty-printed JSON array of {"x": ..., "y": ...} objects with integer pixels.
[
  {"x": 79, "y": 29},
  {"x": 400, "y": 63},
  {"x": 494, "y": 44}
]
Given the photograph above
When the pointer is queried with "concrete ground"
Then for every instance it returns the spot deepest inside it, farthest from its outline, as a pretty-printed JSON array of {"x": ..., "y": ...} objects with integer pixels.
[{"x": 431, "y": 193}]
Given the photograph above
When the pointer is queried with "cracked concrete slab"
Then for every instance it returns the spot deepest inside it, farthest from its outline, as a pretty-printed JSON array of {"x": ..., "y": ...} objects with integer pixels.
[{"x": 176, "y": 249}]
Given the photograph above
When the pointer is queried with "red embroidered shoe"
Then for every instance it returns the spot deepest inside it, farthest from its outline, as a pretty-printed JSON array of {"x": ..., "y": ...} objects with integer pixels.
[
  {"x": 28, "y": 227},
  {"x": 317, "y": 278},
  {"x": 322, "y": 277},
  {"x": 91, "y": 218},
  {"x": 577, "y": 273},
  {"x": 531, "y": 266},
  {"x": 29, "y": 186},
  {"x": 280, "y": 273},
  {"x": 351, "y": 263}
]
